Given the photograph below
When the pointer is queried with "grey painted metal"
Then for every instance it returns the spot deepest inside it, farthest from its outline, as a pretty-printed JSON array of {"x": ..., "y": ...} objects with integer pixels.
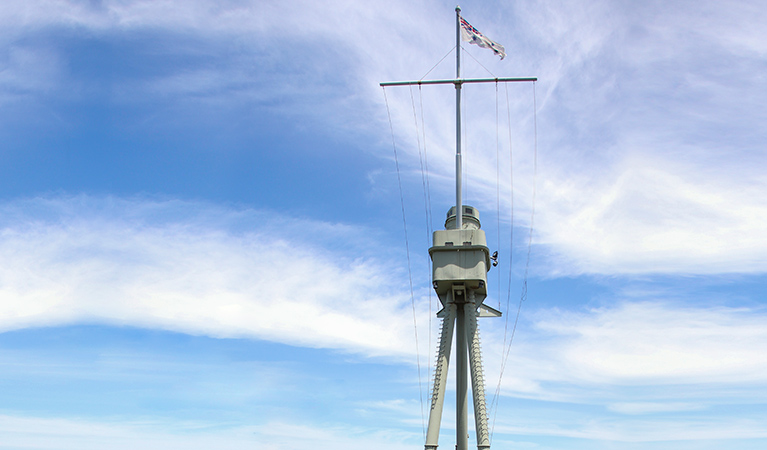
[
  {"x": 461, "y": 383},
  {"x": 460, "y": 261},
  {"x": 459, "y": 81},
  {"x": 470, "y": 218},
  {"x": 460, "y": 257},
  {"x": 440, "y": 376},
  {"x": 477, "y": 373},
  {"x": 486, "y": 311},
  {"x": 458, "y": 165}
]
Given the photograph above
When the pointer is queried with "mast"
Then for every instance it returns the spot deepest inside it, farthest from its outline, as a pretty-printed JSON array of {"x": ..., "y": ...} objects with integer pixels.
[
  {"x": 461, "y": 349},
  {"x": 458, "y": 167},
  {"x": 460, "y": 262}
]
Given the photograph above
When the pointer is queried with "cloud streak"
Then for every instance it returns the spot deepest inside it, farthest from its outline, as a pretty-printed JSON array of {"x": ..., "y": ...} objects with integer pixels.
[
  {"x": 186, "y": 267},
  {"x": 640, "y": 358},
  {"x": 201, "y": 269},
  {"x": 656, "y": 343},
  {"x": 54, "y": 433},
  {"x": 632, "y": 179}
]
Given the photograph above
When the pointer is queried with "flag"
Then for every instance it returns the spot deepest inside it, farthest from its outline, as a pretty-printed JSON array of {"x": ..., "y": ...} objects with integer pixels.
[{"x": 473, "y": 36}]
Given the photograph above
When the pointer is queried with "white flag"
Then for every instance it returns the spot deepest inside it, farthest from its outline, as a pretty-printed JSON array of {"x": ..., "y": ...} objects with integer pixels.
[{"x": 473, "y": 36}]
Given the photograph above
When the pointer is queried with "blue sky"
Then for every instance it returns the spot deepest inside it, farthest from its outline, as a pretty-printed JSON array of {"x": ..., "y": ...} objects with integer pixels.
[{"x": 203, "y": 245}]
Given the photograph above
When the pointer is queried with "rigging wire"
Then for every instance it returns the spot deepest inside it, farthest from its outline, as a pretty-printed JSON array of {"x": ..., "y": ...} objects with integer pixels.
[
  {"x": 523, "y": 294},
  {"x": 438, "y": 63},
  {"x": 426, "y": 204},
  {"x": 429, "y": 226},
  {"x": 421, "y": 159},
  {"x": 407, "y": 251},
  {"x": 430, "y": 220},
  {"x": 494, "y": 402},
  {"x": 466, "y": 52}
]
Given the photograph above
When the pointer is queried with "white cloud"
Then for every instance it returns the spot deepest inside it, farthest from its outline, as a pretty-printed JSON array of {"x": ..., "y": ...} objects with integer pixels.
[
  {"x": 650, "y": 147},
  {"x": 280, "y": 436},
  {"x": 646, "y": 345},
  {"x": 27, "y": 71},
  {"x": 654, "y": 215},
  {"x": 631, "y": 179},
  {"x": 200, "y": 269},
  {"x": 654, "y": 407},
  {"x": 639, "y": 433},
  {"x": 650, "y": 163},
  {"x": 683, "y": 366},
  {"x": 645, "y": 166},
  {"x": 64, "y": 434}
]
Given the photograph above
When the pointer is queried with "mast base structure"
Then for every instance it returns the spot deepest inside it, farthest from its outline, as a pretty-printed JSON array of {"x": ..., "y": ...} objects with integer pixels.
[{"x": 460, "y": 259}]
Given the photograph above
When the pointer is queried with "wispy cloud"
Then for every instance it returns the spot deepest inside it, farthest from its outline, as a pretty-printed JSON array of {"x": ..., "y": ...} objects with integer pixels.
[
  {"x": 631, "y": 180},
  {"x": 654, "y": 145},
  {"x": 649, "y": 141},
  {"x": 66, "y": 434},
  {"x": 668, "y": 344},
  {"x": 200, "y": 269},
  {"x": 654, "y": 407},
  {"x": 658, "y": 216},
  {"x": 650, "y": 154},
  {"x": 642, "y": 355},
  {"x": 659, "y": 434},
  {"x": 27, "y": 71}
]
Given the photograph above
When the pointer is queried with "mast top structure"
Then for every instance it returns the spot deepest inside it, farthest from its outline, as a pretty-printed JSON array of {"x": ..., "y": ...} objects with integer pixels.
[
  {"x": 479, "y": 39},
  {"x": 460, "y": 262}
]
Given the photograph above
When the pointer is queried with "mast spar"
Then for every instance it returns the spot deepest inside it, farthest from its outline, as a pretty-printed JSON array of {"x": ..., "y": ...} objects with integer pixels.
[
  {"x": 458, "y": 165},
  {"x": 460, "y": 261}
]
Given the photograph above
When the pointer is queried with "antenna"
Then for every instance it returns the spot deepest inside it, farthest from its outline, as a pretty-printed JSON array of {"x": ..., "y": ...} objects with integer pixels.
[{"x": 460, "y": 261}]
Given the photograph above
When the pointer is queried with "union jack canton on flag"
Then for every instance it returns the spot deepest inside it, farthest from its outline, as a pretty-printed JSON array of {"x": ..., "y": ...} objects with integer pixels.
[{"x": 473, "y": 36}]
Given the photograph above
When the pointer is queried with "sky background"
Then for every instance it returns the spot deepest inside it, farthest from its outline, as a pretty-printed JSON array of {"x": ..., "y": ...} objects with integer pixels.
[{"x": 202, "y": 240}]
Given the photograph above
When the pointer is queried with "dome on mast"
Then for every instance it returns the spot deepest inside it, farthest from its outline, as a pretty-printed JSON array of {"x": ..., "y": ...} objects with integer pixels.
[{"x": 470, "y": 218}]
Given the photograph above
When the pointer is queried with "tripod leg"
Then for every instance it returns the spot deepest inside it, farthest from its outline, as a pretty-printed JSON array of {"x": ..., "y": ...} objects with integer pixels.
[
  {"x": 440, "y": 377},
  {"x": 477, "y": 375}
]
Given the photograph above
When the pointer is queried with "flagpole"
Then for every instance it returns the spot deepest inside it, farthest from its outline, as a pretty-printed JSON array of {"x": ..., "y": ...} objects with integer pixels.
[
  {"x": 458, "y": 166},
  {"x": 461, "y": 347}
]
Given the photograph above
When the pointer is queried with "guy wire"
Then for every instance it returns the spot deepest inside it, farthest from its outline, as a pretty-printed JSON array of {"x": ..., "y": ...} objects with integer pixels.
[{"x": 409, "y": 271}]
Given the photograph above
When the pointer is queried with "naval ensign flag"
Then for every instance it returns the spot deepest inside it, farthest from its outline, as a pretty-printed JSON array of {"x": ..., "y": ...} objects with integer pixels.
[{"x": 473, "y": 36}]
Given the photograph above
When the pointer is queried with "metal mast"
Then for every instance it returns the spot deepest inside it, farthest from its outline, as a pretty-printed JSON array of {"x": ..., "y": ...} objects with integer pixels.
[
  {"x": 461, "y": 259},
  {"x": 458, "y": 165}
]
